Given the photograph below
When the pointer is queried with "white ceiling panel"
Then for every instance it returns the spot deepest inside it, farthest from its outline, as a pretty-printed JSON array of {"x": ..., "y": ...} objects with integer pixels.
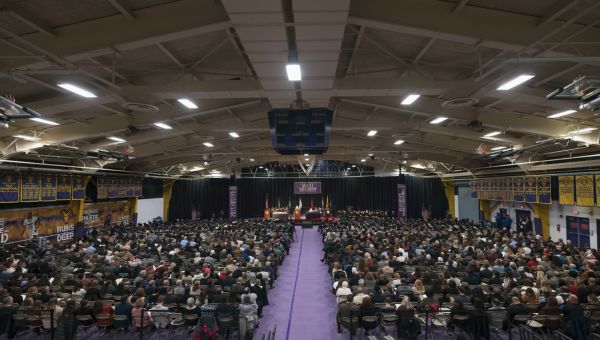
[
  {"x": 277, "y": 84},
  {"x": 266, "y": 46},
  {"x": 320, "y": 5},
  {"x": 319, "y": 69},
  {"x": 270, "y": 70},
  {"x": 321, "y": 17},
  {"x": 319, "y": 32},
  {"x": 262, "y": 33},
  {"x": 314, "y": 84},
  {"x": 245, "y": 6},
  {"x": 257, "y": 18},
  {"x": 319, "y": 45}
]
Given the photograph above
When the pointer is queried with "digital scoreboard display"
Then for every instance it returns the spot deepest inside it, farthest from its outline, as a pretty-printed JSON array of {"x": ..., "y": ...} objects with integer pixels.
[{"x": 296, "y": 132}]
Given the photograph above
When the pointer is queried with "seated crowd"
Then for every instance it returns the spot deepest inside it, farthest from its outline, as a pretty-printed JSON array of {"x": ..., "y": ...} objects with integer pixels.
[
  {"x": 191, "y": 273},
  {"x": 464, "y": 276}
]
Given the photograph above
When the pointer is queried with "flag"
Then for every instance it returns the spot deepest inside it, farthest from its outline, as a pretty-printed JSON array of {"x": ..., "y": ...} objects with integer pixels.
[
  {"x": 327, "y": 203},
  {"x": 322, "y": 204},
  {"x": 312, "y": 203},
  {"x": 267, "y": 203},
  {"x": 278, "y": 203},
  {"x": 300, "y": 204},
  {"x": 289, "y": 203}
]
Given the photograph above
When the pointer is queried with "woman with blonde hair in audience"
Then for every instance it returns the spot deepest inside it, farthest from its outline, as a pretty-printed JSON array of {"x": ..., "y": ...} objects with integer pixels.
[
  {"x": 540, "y": 277},
  {"x": 136, "y": 314},
  {"x": 405, "y": 310},
  {"x": 418, "y": 289},
  {"x": 530, "y": 297}
]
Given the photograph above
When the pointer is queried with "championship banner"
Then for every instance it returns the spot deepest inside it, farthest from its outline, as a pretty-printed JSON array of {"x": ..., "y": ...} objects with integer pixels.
[
  {"x": 499, "y": 189},
  {"x": 48, "y": 187},
  {"x": 112, "y": 187},
  {"x": 138, "y": 187},
  {"x": 122, "y": 183},
  {"x": 130, "y": 187},
  {"x": 544, "y": 190},
  {"x": 303, "y": 188},
  {"x": 584, "y": 189},
  {"x": 232, "y": 203},
  {"x": 9, "y": 188},
  {"x": 63, "y": 187},
  {"x": 598, "y": 189},
  {"x": 566, "y": 190},
  {"x": 508, "y": 189},
  {"x": 402, "y": 210},
  {"x": 474, "y": 188},
  {"x": 78, "y": 187},
  {"x": 519, "y": 189},
  {"x": 20, "y": 225},
  {"x": 106, "y": 214},
  {"x": 530, "y": 189},
  {"x": 101, "y": 187},
  {"x": 30, "y": 188}
]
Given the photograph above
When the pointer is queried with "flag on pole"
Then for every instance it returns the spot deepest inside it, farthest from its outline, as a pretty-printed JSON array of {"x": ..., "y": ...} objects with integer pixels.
[
  {"x": 312, "y": 203},
  {"x": 300, "y": 204},
  {"x": 289, "y": 203},
  {"x": 327, "y": 203},
  {"x": 278, "y": 203},
  {"x": 267, "y": 202},
  {"x": 322, "y": 204}
]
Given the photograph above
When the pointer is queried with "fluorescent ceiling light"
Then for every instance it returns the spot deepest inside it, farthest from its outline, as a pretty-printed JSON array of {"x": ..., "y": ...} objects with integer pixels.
[
  {"x": 116, "y": 139},
  {"x": 44, "y": 121},
  {"x": 205, "y": 163},
  {"x": 363, "y": 160},
  {"x": 515, "y": 82},
  {"x": 187, "y": 103},
  {"x": 562, "y": 114},
  {"x": 498, "y": 148},
  {"x": 372, "y": 133},
  {"x": 293, "y": 72},
  {"x": 398, "y": 142},
  {"x": 438, "y": 120},
  {"x": 251, "y": 159},
  {"x": 28, "y": 138},
  {"x": 196, "y": 168},
  {"x": 163, "y": 126},
  {"x": 305, "y": 155},
  {"x": 234, "y": 135},
  {"x": 354, "y": 165},
  {"x": 208, "y": 145},
  {"x": 306, "y": 159},
  {"x": 77, "y": 90},
  {"x": 419, "y": 166},
  {"x": 410, "y": 99},
  {"x": 492, "y": 134},
  {"x": 215, "y": 170},
  {"x": 370, "y": 155},
  {"x": 404, "y": 162},
  {"x": 582, "y": 131},
  {"x": 261, "y": 167}
]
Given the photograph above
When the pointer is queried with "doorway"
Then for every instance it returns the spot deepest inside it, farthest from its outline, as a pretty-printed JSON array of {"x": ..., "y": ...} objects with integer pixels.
[
  {"x": 522, "y": 216},
  {"x": 578, "y": 231}
]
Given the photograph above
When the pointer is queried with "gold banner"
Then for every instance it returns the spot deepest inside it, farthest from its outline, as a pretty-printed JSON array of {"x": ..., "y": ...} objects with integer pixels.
[
  {"x": 566, "y": 190},
  {"x": 584, "y": 190}
]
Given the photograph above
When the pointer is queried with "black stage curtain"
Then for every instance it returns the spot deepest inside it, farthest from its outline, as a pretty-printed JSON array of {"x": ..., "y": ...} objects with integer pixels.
[
  {"x": 425, "y": 193},
  {"x": 209, "y": 197}
]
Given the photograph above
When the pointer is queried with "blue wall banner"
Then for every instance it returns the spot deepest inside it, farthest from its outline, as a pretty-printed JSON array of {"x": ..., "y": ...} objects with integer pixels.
[
  {"x": 138, "y": 187},
  {"x": 78, "y": 187},
  {"x": 9, "y": 188},
  {"x": 544, "y": 190},
  {"x": 232, "y": 203},
  {"x": 63, "y": 187},
  {"x": 30, "y": 188},
  {"x": 48, "y": 187},
  {"x": 530, "y": 189},
  {"x": 311, "y": 188}
]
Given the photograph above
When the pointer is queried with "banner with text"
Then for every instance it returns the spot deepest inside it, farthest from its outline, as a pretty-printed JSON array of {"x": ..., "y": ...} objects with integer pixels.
[
  {"x": 30, "y": 188},
  {"x": 9, "y": 188},
  {"x": 63, "y": 187},
  {"x": 402, "y": 210},
  {"x": 544, "y": 191},
  {"x": 584, "y": 190},
  {"x": 304, "y": 188},
  {"x": 519, "y": 189},
  {"x": 48, "y": 187},
  {"x": 106, "y": 214},
  {"x": 566, "y": 190},
  {"x": 232, "y": 203},
  {"x": 17, "y": 225},
  {"x": 530, "y": 189}
]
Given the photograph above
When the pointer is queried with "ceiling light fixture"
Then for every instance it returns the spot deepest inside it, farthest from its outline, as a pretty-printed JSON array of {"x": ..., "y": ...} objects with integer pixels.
[
  {"x": 28, "y": 138},
  {"x": 163, "y": 126},
  {"x": 492, "y": 134},
  {"x": 398, "y": 142},
  {"x": 116, "y": 139},
  {"x": 261, "y": 167},
  {"x": 372, "y": 133},
  {"x": 251, "y": 159},
  {"x": 306, "y": 159},
  {"x": 43, "y": 121},
  {"x": 370, "y": 155},
  {"x": 305, "y": 155},
  {"x": 498, "y": 148},
  {"x": 411, "y": 98},
  {"x": 363, "y": 160},
  {"x": 582, "y": 131},
  {"x": 77, "y": 90},
  {"x": 234, "y": 135},
  {"x": 196, "y": 168},
  {"x": 518, "y": 80},
  {"x": 562, "y": 114},
  {"x": 187, "y": 103},
  {"x": 294, "y": 72},
  {"x": 438, "y": 120},
  {"x": 208, "y": 145},
  {"x": 354, "y": 165}
]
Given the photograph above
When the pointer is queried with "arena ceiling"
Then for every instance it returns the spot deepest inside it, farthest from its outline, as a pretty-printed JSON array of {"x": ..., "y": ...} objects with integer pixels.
[{"x": 359, "y": 58}]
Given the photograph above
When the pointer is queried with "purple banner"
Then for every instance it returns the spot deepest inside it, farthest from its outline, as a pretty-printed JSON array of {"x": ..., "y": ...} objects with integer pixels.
[
  {"x": 307, "y": 188},
  {"x": 402, "y": 201},
  {"x": 232, "y": 203}
]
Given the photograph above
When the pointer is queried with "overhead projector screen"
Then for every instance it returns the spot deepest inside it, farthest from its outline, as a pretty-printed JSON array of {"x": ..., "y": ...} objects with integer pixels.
[{"x": 149, "y": 209}]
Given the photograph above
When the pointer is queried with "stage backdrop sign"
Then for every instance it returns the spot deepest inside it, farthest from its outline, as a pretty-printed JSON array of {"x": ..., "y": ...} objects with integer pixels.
[
  {"x": 106, "y": 214},
  {"x": 232, "y": 203},
  {"x": 302, "y": 188},
  {"x": 17, "y": 225},
  {"x": 566, "y": 190},
  {"x": 402, "y": 201},
  {"x": 584, "y": 189}
]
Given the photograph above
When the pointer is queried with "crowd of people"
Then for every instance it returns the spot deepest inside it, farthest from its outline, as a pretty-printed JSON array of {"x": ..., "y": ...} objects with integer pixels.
[
  {"x": 464, "y": 276},
  {"x": 194, "y": 273}
]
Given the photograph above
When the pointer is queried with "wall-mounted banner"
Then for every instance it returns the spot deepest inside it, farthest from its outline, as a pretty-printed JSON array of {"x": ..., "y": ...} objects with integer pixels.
[
  {"x": 130, "y": 192},
  {"x": 111, "y": 183},
  {"x": 474, "y": 183},
  {"x": 63, "y": 187},
  {"x": 402, "y": 210},
  {"x": 584, "y": 190},
  {"x": 101, "y": 187},
  {"x": 544, "y": 190},
  {"x": 566, "y": 190},
  {"x": 519, "y": 189},
  {"x": 30, "y": 188},
  {"x": 530, "y": 189},
  {"x": 48, "y": 187},
  {"x": 508, "y": 189},
  {"x": 232, "y": 203},
  {"x": 598, "y": 190},
  {"x": 106, "y": 214},
  {"x": 17, "y": 225},
  {"x": 302, "y": 188},
  {"x": 138, "y": 187},
  {"x": 9, "y": 188},
  {"x": 78, "y": 187}
]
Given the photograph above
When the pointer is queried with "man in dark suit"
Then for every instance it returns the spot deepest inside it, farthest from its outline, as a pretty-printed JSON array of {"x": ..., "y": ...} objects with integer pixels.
[
  {"x": 348, "y": 310},
  {"x": 516, "y": 308}
]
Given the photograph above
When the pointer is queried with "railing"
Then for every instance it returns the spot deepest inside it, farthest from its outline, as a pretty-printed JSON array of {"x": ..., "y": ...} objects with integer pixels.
[{"x": 270, "y": 335}]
